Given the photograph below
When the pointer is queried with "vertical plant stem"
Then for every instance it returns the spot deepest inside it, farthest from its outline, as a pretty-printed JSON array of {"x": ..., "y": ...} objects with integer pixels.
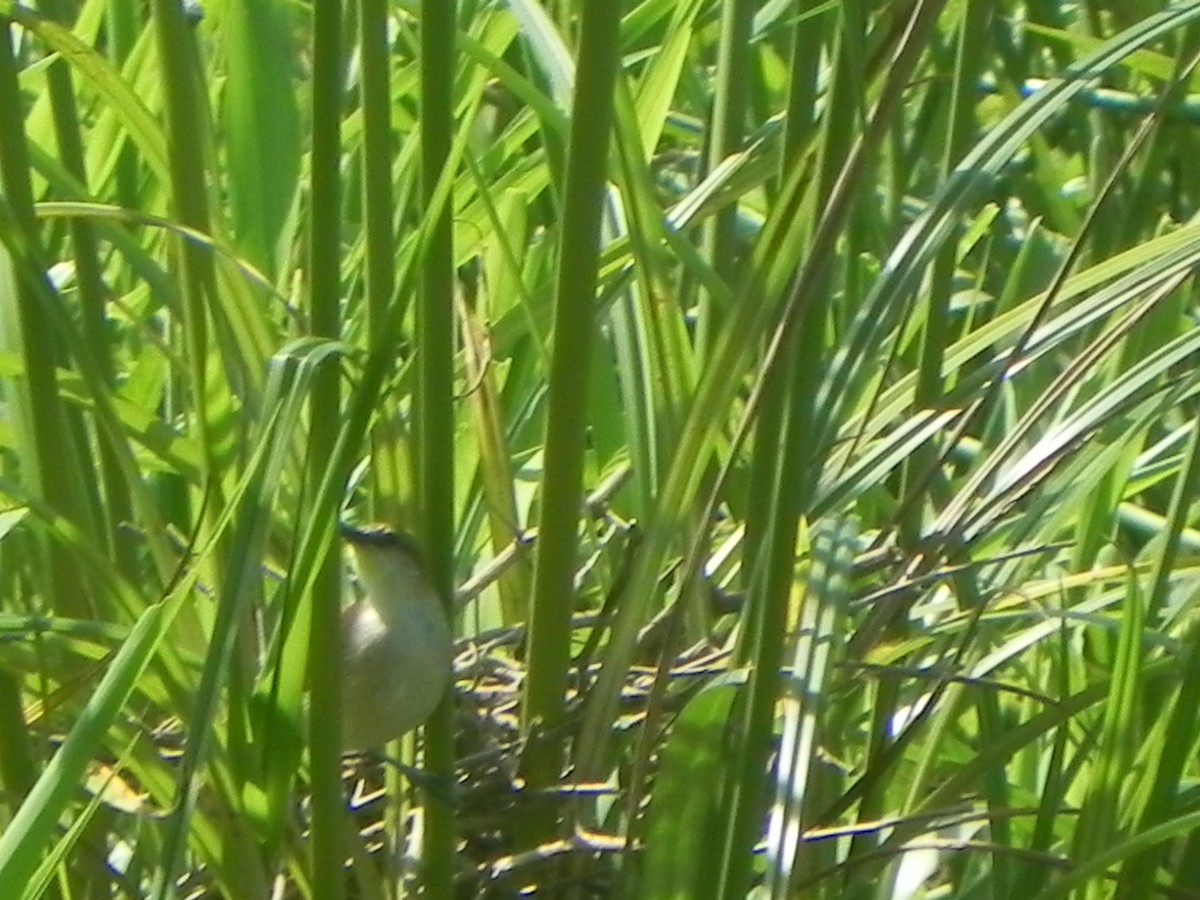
[
  {"x": 325, "y": 652},
  {"x": 435, "y": 402},
  {"x": 47, "y": 450},
  {"x": 770, "y": 590},
  {"x": 122, "y": 31},
  {"x": 728, "y": 123},
  {"x": 91, "y": 301},
  {"x": 377, "y": 161},
  {"x": 566, "y": 425},
  {"x": 189, "y": 200}
]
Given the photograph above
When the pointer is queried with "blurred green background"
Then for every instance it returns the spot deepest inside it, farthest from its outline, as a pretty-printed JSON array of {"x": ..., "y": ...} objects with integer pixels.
[{"x": 797, "y": 399}]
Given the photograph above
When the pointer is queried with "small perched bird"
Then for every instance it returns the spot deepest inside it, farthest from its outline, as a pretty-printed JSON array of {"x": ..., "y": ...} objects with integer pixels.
[{"x": 396, "y": 642}]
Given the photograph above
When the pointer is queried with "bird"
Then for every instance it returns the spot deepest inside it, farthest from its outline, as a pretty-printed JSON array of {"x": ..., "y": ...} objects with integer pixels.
[{"x": 397, "y": 647}]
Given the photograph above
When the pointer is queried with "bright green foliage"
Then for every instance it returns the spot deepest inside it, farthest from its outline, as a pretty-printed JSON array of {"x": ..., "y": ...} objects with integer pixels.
[{"x": 805, "y": 393}]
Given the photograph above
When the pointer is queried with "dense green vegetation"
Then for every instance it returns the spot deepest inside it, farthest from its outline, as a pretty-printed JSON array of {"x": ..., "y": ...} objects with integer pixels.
[{"x": 798, "y": 398}]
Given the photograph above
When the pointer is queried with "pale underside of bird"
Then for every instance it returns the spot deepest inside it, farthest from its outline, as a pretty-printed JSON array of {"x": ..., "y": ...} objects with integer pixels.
[{"x": 396, "y": 643}]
